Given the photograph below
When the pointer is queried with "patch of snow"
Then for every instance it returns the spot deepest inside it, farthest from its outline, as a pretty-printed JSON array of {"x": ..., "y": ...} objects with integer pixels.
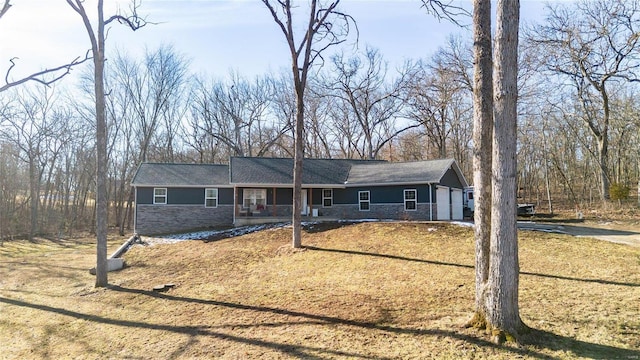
[
  {"x": 207, "y": 234},
  {"x": 463, "y": 223}
]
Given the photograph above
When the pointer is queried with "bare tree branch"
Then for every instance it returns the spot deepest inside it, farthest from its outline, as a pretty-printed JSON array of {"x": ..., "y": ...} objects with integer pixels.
[
  {"x": 5, "y": 8},
  {"x": 39, "y": 76},
  {"x": 445, "y": 10}
]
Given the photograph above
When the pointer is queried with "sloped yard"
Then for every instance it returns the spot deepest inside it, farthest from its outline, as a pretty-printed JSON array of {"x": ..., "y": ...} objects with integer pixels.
[{"x": 364, "y": 291}]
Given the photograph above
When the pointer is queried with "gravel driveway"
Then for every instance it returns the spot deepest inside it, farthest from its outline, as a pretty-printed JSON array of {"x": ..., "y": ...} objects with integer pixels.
[{"x": 612, "y": 232}]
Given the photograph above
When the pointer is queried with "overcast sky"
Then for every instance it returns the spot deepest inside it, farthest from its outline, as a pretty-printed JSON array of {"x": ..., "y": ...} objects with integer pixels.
[{"x": 218, "y": 35}]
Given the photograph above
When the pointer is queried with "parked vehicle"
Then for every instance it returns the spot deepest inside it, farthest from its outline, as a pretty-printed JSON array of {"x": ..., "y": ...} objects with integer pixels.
[{"x": 468, "y": 203}]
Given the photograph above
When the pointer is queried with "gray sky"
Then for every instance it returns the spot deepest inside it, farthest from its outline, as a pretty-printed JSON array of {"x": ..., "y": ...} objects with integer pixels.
[{"x": 217, "y": 35}]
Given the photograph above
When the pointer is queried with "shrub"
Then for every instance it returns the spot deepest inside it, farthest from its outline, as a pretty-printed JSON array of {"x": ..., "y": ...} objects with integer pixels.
[{"x": 619, "y": 192}]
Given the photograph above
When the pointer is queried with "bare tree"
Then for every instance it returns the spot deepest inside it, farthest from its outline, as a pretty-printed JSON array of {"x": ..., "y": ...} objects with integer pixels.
[
  {"x": 325, "y": 26},
  {"x": 503, "y": 280},
  {"x": 592, "y": 45},
  {"x": 497, "y": 268},
  {"x": 482, "y": 150},
  {"x": 97, "y": 39},
  {"x": 361, "y": 86}
]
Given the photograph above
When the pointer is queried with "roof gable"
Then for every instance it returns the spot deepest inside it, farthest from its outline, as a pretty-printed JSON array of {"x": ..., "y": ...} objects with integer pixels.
[{"x": 159, "y": 174}]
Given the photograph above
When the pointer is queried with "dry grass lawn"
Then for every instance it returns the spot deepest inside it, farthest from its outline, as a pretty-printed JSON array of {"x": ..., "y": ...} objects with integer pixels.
[{"x": 365, "y": 291}]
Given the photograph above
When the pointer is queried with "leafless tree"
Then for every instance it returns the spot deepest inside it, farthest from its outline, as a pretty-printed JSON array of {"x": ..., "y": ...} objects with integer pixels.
[
  {"x": 592, "y": 45},
  {"x": 482, "y": 150},
  {"x": 97, "y": 38},
  {"x": 497, "y": 268},
  {"x": 360, "y": 85},
  {"x": 503, "y": 278},
  {"x": 322, "y": 27},
  {"x": 438, "y": 101}
]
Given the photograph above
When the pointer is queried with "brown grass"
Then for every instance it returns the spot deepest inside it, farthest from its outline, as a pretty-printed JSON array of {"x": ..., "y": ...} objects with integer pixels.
[{"x": 366, "y": 291}]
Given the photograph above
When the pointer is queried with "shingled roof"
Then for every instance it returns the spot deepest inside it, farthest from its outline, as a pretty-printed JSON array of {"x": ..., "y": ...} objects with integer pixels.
[
  {"x": 415, "y": 172},
  {"x": 260, "y": 171},
  {"x": 279, "y": 171},
  {"x": 162, "y": 174}
]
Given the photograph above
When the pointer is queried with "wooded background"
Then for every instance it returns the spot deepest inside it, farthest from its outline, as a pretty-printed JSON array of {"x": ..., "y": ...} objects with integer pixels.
[{"x": 578, "y": 134}]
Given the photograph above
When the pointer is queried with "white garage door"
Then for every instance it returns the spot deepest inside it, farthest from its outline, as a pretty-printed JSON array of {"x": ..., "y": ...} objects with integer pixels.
[
  {"x": 456, "y": 204},
  {"x": 442, "y": 202}
]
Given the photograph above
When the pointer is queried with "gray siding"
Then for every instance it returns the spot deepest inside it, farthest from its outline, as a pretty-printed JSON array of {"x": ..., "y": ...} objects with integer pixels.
[
  {"x": 380, "y": 194},
  {"x": 451, "y": 179},
  {"x": 184, "y": 196},
  {"x": 159, "y": 219}
]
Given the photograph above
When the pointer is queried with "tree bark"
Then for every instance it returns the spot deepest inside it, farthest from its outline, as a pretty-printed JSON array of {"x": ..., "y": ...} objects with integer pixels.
[
  {"x": 502, "y": 292},
  {"x": 482, "y": 140},
  {"x": 101, "y": 155}
]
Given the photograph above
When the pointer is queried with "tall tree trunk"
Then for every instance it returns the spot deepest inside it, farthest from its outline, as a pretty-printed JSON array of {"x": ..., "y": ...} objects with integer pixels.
[
  {"x": 502, "y": 293},
  {"x": 34, "y": 200},
  {"x": 297, "y": 172},
  {"x": 482, "y": 140},
  {"x": 603, "y": 160},
  {"x": 101, "y": 162}
]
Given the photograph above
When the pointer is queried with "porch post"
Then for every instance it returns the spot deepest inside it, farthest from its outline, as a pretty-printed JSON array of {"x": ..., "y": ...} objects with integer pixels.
[
  {"x": 310, "y": 202},
  {"x": 235, "y": 201},
  {"x": 274, "y": 202}
]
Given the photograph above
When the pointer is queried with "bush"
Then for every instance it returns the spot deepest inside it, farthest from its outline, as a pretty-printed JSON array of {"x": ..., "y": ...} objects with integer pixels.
[{"x": 619, "y": 192}]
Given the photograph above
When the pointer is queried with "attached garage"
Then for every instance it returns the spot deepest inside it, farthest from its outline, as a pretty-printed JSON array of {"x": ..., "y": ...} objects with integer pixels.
[
  {"x": 456, "y": 204},
  {"x": 443, "y": 205}
]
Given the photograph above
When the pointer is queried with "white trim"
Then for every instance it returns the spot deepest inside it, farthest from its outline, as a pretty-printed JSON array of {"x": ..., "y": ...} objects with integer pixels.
[
  {"x": 166, "y": 196},
  {"x": 415, "y": 199},
  {"x": 190, "y": 205},
  {"x": 286, "y": 186},
  {"x": 329, "y": 197},
  {"x": 210, "y": 198},
  {"x": 183, "y": 186},
  {"x": 368, "y": 201},
  {"x": 135, "y": 210},
  {"x": 430, "y": 202},
  {"x": 406, "y": 183}
]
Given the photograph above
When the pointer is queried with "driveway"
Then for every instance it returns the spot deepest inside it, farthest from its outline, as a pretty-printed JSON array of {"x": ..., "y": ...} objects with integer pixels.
[{"x": 607, "y": 231}]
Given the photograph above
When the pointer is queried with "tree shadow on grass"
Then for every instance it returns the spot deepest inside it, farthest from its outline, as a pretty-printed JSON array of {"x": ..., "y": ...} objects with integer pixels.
[
  {"x": 324, "y": 319},
  {"x": 300, "y": 351},
  {"x": 434, "y": 262},
  {"x": 536, "y": 339},
  {"x": 582, "y": 349}
]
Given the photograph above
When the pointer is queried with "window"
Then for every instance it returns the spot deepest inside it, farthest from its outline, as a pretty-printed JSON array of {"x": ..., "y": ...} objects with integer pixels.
[
  {"x": 159, "y": 195},
  {"x": 364, "y": 202},
  {"x": 327, "y": 197},
  {"x": 410, "y": 200},
  {"x": 210, "y": 197},
  {"x": 254, "y": 198}
]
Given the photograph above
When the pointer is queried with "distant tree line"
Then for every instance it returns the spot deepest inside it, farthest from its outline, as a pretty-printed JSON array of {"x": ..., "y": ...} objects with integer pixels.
[{"x": 578, "y": 131}]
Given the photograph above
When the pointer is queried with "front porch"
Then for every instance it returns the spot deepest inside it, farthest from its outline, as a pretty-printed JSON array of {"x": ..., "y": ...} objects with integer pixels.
[{"x": 273, "y": 205}]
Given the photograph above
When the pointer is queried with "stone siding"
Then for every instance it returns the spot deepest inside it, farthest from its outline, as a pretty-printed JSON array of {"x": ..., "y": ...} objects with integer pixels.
[
  {"x": 379, "y": 211},
  {"x": 162, "y": 219}
]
